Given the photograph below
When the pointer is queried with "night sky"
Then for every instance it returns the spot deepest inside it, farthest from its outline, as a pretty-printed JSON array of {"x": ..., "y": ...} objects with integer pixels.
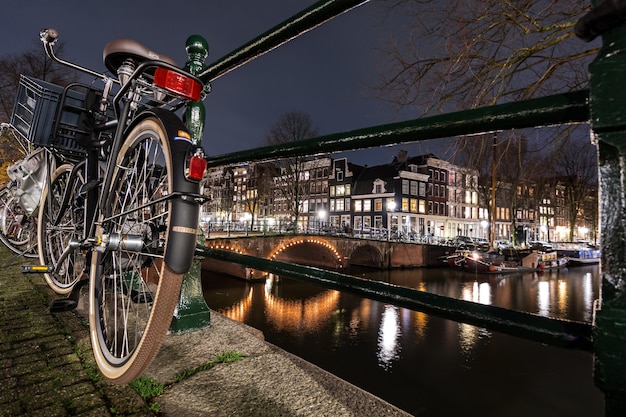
[{"x": 328, "y": 72}]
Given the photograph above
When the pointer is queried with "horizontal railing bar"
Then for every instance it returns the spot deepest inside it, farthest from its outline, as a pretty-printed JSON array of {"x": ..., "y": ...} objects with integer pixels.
[
  {"x": 300, "y": 23},
  {"x": 556, "y": 332},
  {"x": 545, "y": 111}
]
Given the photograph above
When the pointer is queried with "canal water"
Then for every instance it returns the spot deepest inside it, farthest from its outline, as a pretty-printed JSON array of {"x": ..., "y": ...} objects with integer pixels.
[{"x": 423, "y": 364}]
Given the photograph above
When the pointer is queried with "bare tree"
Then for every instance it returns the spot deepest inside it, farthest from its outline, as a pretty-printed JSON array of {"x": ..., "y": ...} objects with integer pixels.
[
  {"x": 464, "y": 54},
  {"x": 259, "y": 188},
  {"x": 500, "y": 176},
  {"x": 33, "y": 63},
  {"x": 577, "y": 169},
  {"x": 454, "y": 54},
  {"x": 293, "y": 187}
]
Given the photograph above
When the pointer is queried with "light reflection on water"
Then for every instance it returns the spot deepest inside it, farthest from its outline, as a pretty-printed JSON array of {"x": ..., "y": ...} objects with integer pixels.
[
  {"x": 388, "y": 335},
  {"x": 416, "y": 361}
]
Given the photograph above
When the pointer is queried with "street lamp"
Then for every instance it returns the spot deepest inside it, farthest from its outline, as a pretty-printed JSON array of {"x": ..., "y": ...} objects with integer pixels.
[
  {"x": 321, "y": 214},
  {"x": 391, "y": 206},
  {"x": 484, "y": 224}
]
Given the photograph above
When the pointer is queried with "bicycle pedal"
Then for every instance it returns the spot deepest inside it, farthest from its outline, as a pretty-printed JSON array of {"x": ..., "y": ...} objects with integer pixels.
[
  {"x": 62, "y": 304},
  {"x": 36, "y": 269}
]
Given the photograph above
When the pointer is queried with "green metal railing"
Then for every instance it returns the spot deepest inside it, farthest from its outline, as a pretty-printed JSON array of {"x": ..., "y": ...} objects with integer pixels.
[
  {"x": 555, "y": 332},
  {"x": 603, "y": 106},
  {"x": 545, "y": 111}
]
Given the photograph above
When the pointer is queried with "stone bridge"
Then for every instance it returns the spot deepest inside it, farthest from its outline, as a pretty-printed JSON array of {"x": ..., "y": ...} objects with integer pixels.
[{"x": 324, "y": 251}]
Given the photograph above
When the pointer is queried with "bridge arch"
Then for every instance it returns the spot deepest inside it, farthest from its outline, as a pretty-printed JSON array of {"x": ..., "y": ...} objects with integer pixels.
[
  {"x": 229, "y": 268},
  {"x": 295, "y": 250},
  {"x": 367, "y": 255}
]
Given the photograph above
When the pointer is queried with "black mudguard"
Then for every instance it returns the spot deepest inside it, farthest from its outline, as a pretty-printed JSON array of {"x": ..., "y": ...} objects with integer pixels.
[{"x": 184, "y": 213}]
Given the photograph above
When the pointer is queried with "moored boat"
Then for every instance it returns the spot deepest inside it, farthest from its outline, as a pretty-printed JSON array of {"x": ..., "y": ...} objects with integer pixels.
[
  {"x": 550, "y": 260},
  {"x": 481, "y": 262},
  {"x": 494, "y": 263},
  {"x": 582, "y": 256}
]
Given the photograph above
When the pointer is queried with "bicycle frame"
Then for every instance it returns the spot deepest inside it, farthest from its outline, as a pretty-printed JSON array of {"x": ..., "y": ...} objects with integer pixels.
[{"x": 129, "y": 111}]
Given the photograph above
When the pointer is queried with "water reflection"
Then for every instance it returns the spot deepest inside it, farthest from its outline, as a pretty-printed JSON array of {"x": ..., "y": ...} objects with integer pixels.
[
  {"x": 284, "y": 310},
  {"x": 477, "y": 292},
  {"x": 418, "y": 361},
  {"x": 567, "y": 293},
  {"x": 388, "y": 335},
  {"x": 297, "y": 314}
]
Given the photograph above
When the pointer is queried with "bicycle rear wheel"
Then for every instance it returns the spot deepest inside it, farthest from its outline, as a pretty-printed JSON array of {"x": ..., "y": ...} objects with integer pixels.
[
  {"x": 132, "y": 292},
  {"x": 60, "y": 229},
  {"x": 17, "y": 228}
]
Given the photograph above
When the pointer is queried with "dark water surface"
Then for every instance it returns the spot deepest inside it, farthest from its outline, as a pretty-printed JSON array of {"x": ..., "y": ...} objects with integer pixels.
[{"x": 423, "y": 364}]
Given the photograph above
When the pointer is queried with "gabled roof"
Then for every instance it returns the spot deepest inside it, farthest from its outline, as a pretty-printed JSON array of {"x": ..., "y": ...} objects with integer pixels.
[{"x": 365, "y": 181}]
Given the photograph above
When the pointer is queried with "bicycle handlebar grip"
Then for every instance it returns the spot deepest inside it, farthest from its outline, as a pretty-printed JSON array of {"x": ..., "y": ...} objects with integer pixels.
[
  {"x": 606, "y": 16},
  {"x": 49, "y": 35}
]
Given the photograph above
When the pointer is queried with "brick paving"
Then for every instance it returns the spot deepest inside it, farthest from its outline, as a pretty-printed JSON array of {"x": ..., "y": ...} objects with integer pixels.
[{"x": 46, "y": 363}]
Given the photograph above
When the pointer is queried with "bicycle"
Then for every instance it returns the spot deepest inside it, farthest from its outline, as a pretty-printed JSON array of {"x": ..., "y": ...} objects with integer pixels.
[
  {"x": 120, "y": 209},
  {"x": 19, "y": 200}
]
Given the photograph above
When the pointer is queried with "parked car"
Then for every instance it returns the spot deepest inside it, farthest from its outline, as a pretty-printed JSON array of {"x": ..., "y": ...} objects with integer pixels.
[
  {"x": 463, "y": 242},
  {"x": 540, "y": 245},
  {"x": 481, "y": 243},
  {"x": 502, "y": 244}
]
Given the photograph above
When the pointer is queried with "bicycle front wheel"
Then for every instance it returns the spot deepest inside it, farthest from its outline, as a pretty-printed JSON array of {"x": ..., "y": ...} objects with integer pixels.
[
  {"x": 60, "y": 229},
  {"x": 133, "y": 293}
]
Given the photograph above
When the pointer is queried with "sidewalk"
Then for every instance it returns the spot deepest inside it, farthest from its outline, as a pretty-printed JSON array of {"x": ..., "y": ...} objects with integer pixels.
[{"x": 47, "y": 369}]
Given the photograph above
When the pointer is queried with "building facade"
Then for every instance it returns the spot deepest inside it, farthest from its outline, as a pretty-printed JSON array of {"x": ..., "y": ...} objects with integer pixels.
[{"x": 420, "y": 198}]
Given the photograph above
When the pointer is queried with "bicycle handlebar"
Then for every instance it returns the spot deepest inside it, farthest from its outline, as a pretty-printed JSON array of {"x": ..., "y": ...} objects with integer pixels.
[
  {"x": 606, "y": 16},
  {"x": 49, "y": 37}
]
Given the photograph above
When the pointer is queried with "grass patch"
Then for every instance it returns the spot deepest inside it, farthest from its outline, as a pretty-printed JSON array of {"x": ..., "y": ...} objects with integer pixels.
[
  {"x": 226, "y": 357},
  {"x": 147, "y": 388}
]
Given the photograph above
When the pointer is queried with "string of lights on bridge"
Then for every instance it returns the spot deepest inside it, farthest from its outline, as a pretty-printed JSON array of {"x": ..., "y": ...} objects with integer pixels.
[{"x": 299, "y": 241}]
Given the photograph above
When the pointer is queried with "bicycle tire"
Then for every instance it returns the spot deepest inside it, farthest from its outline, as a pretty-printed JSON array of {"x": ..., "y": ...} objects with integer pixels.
[
  {"x": 17, "y": 229},
  {"x": 133, "y": 293},
  {"x": 53, "y": 239}
]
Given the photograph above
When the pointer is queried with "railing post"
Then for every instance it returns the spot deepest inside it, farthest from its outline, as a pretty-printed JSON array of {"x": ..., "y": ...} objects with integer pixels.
[
  {"x": 192, "y": 312},
  {"x": 608, "y": 121}
]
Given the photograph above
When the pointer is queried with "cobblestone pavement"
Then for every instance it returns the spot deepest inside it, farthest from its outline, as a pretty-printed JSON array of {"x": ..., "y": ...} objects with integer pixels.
[{"x": 46, "y": 363}]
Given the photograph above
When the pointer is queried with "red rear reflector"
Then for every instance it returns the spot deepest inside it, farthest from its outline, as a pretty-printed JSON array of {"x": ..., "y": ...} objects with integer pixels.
[
  {"x": 197, "y": 166},
  {"x": 177, "y": 84}
]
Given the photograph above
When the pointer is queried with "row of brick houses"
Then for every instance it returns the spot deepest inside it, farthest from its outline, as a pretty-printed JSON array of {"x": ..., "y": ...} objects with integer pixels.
[{"x": 420, "y": 197}]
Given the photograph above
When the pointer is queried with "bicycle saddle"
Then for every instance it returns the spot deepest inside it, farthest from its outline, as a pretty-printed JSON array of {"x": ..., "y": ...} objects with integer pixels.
[{"x": 116, "y": 52}]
